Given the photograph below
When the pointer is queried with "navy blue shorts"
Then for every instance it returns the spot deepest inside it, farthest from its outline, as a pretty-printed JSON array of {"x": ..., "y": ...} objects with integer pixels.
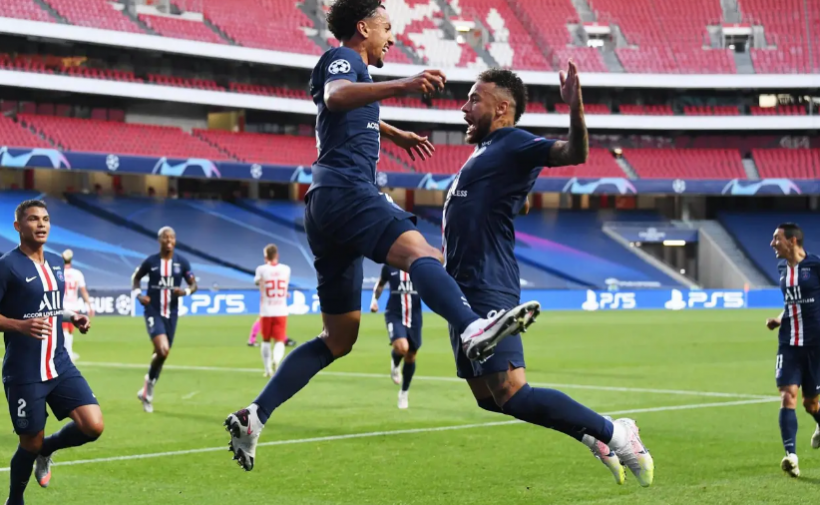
[
  {"x": 158, "y": 325},
  {"x": 798, "y": 366},
  {"x": 343, "y": 226},
  {"x": 64, "y": 393},
  {"x": 509, "y": 352},
  {"x": 396, "y": 330}
]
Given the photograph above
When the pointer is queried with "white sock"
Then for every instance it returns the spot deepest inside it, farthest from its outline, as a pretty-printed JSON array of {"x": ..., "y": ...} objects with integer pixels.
[
  {"x": 620, "y": 436},
  {"x": 278, "y": 353},
  {"x": 69, "y": 343},
  {"x": 265, "y": 349},
  {"x": 149, "y": 388}
]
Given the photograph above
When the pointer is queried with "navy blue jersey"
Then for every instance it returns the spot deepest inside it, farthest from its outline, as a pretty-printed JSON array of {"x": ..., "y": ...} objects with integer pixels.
[
  {"x": 405, "y": 303},
  {"x": 800, "y": 285},
  {"x": 30, "y": 290},
  {"x": 163, "y": 277},
  {"x": 484, "y": 198},
  {"x": 348, "y": 141}
]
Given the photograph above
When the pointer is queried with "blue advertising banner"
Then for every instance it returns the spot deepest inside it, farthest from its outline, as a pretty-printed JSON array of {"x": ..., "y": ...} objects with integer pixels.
[
  {"x": 214, "y": 303},
  {"x": 653, "y": 233},
  {"x": 11, "y": 157}
]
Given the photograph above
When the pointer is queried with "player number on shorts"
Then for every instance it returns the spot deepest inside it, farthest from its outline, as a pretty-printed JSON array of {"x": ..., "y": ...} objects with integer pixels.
[
  {"x": 21, "y": 408},
  {"x": 779, "y": 362},
  {"x": 151, "y": 322},
  {"x": 276, "y": 289}
]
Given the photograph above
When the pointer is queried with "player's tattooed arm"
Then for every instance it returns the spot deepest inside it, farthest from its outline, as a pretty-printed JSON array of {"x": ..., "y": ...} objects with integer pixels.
[
  {"x": 192, "y": 286},
  {"x": 575, "y": 150},
  {"x": 341, "y": 94},
  {"x": 409, "y": 141}
]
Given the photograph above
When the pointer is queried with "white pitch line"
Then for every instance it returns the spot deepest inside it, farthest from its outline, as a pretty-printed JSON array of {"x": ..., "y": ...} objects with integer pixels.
[
  {"x": 442, "y": 379},
  {"x": 190, "y": 395},
  {"x": 372, "y": 434}
]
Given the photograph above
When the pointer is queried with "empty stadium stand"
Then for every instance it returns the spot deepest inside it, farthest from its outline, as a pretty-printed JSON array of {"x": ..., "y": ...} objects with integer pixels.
[
  {"x": 785, "y": 24},
  {"x": 791, "y": 163},
  {"x": 13, "y": 135},
  {"x": 24, "y": 9},
  {"x": 94, "y": 14},
  {"x": 686, "y": 163},
  {"x": 263, "y": 148},
  {"x": 181, "y": 29},
  {"x": 600, "y": 163}
]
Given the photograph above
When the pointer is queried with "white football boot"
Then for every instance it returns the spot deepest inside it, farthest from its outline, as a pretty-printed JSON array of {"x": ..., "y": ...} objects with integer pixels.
[
  {"x": 607, "y": 456},
  {"x": 42, "y": 470},
  {"x": 244, "y": 426},
  {"x": 789, "y": 465},
  {"x": 815, "y": 439},
  {"x": 482, "y": 336},
  {"x": 631, "y": 452},
  {"x": 403, "y": 401},
  {"x": 146, "y": 395},
  {"x": 395, "y": 372}
]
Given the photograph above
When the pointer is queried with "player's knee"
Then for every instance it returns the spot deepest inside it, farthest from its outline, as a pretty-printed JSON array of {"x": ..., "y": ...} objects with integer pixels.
[
  {"x": 401, "y": 347},
  {"x": 32, "y": 443},
  {"x": 788, "y": 399},
  {"x": 812, "y": 405},
  {"x": 94, "y": 429},
  {"x": 489, "y": 404},
  {"x": 340, "y": 343},
  {"x": 410, "y": 357}
]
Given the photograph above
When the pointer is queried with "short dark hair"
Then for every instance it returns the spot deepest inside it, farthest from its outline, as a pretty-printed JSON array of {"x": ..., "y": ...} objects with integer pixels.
[
  {"x": 26, "y": 205},
  {"x": 344, "y": 15},
  {"x": 510, "y": 81},
  {"x": 792, "y": 230},
  {"x": 271, "y": 251}
]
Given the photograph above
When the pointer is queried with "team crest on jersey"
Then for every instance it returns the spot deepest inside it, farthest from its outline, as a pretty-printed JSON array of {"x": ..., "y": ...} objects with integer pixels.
[
  {"x": 339, "y": 67},
  {"x": 805, "y": 273},
  {"x": 176, "y": 268},
  {"x": 59, "y": 275}
]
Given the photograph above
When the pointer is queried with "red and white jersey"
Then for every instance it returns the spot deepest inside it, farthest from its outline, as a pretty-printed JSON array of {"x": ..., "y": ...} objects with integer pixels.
[
  {"x": 74, "y": 280},
  {"x": 273, "y": 280}
]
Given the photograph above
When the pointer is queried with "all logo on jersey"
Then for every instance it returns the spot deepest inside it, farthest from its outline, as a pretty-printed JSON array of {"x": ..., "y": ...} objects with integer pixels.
[
  {"x": 339, "y": 67},
  {"x": 51, "y": 301}
]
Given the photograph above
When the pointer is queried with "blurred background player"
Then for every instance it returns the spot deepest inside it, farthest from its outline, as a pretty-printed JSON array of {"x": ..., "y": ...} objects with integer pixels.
[
  {"x": 166, "y": 271},
  {"x": 37, "y": 369},
  {"x": 256, "y": 327},
  {"x": 798, "y": 350},
  {"x": 273, "y": 279},
  {"x": 403, "y": 320},
  {"x": 74, "y": 286}
]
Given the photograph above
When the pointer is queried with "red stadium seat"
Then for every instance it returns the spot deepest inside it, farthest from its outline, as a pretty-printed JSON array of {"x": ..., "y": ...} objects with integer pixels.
[
  {"x": 95, "y": 14},
  {"x": 791, "y": 163},
  {"x": 181, "y": 29},
  {"x": 600, "y": 163},
  {"x": 686, "y": 163},
  {"x": 264, "y": 148},
  {"x": 24, "y": 9},
  {"x": 16, "y": 135}
]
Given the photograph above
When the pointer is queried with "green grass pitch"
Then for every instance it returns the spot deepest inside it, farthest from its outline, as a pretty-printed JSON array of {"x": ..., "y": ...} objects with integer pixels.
[{"x": 343, "y": 441}]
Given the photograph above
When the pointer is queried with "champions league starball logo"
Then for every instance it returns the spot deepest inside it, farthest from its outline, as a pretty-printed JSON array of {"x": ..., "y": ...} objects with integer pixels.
[
  {"x": 112, "y": 162},
  {"x": 339, "y": 67},
  {"x": 55, "y": 158},
  {"x": 764, "y": 186},
  {"x": 205, "y": 168},
  {"x": 256, "y": 171},
  {"x": 622, "y": 186}
]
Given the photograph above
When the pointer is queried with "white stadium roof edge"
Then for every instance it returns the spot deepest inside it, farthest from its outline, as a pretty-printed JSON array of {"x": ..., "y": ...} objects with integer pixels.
[{"x": 13, "y": 26}]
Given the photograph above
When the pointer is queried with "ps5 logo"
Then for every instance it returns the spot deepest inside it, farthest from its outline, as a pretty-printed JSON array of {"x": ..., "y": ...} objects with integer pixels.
[{"x": 608, "y": 301}]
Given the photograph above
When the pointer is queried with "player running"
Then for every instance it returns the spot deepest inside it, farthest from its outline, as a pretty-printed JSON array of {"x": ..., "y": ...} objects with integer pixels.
[
  {"x": 256, "y": 328},
  {"x": 798, "y": 351},
  {"x": 273, "y": 279},
  {"x": 74, "y": 286},
  {"x": 347, "y": 218},
  {"x": 479, "y": 238},
  {"x": 403, "y": 320},
  {"x": 165, "y": 272},
  {"x": 36, "y": 368}
]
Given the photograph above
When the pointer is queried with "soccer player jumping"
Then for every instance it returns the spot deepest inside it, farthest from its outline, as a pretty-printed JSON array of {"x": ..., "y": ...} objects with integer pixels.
[
  {"x": 347, "y": 218},
  {"x": 479, "y": 237},
  {"x": 798, "y": 351},
  {"x": 37, "y": 369}
]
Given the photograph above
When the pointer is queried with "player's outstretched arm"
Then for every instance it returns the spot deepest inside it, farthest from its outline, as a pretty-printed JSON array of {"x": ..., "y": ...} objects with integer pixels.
[
  {"x": 409, "y": 141},
  {"x": 341, "y": 94},
  {"x": 575, "y": 150}
]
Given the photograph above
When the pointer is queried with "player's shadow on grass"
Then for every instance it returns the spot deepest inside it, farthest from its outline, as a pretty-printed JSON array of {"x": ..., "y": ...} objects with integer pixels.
[{"x": 813, "y": 481}]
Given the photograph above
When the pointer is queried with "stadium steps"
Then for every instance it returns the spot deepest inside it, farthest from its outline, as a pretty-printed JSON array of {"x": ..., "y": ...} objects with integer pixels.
[
  {"x": 613, "y": 64},
  {"x": 51, "y": 11},
  {"x": 733, "y": 256},
  {"x": 224, "y": 36},
  {"x": 398, "y": 160},
  {"x": 626, "y": 167},
  {"x": 121, "y": 221},
  {"x": 451, "y": 33},
  {"x": 585, "y": 13},
  {"x": 220, "y": 148},
  {"x": 142, "y": 24},
  {"x": 750, "y": 168},
  {"x": 731, "y": 11},
  {"x": 743, "y": 63}
]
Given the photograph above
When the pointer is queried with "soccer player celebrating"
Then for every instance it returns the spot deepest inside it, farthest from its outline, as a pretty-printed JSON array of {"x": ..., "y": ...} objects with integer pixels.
[
  {"x": 273, "y": 279},
  {"x": 165, "y": 272},
  {"x": 798, "y": 351},
  {"x": 403, "y": 319},
  {"x": 479, "y": 237},
  {"x": 347, "y": 218},
  {"x": 74, "y": 286},
  {"x": 37, "y": 369}
]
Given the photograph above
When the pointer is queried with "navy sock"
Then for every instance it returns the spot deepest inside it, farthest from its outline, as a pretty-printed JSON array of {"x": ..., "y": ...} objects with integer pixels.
[
  {"x": 788, "y": 429},
  {"x": 407, "y": 372},
  {"x": 69, "y": 436},
  {"x": 293, "y": 374},
  {"x": 553, "y": 409},
  {"x": 489, "y": 404},
  {"x": 816, "y": 417},
  {"x": 396, "y": 358},
  {"x": 21, "y": 465},
  {"x": 441, "y": 293},
  {"x": 155, "y": 369}
]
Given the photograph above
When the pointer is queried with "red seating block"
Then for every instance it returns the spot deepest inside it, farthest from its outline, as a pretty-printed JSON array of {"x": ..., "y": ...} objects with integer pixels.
[{"x": 686, "y": 163}]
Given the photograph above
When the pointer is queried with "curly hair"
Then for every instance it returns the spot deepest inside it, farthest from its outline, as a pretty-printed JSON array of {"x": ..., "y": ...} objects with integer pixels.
[
  {"x": 344, "y": 15},
  {"x": 509, "y": 80}
]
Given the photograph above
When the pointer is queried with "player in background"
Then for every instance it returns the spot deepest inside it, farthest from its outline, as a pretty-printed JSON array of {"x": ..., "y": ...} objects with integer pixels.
[
  {"x": 403, "y": 320},
  {"x": 479, "y": 240},
  {"x": 256, "y": 327},
  {"x": 273, "y": 279},
  {"x": 36, "y": 368},
  {"x": 347, "y": 218},
  {"x": 166, "y": 271},
  {"x": 798, "y": 350},
  {"x": 74, "y": 286}
]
